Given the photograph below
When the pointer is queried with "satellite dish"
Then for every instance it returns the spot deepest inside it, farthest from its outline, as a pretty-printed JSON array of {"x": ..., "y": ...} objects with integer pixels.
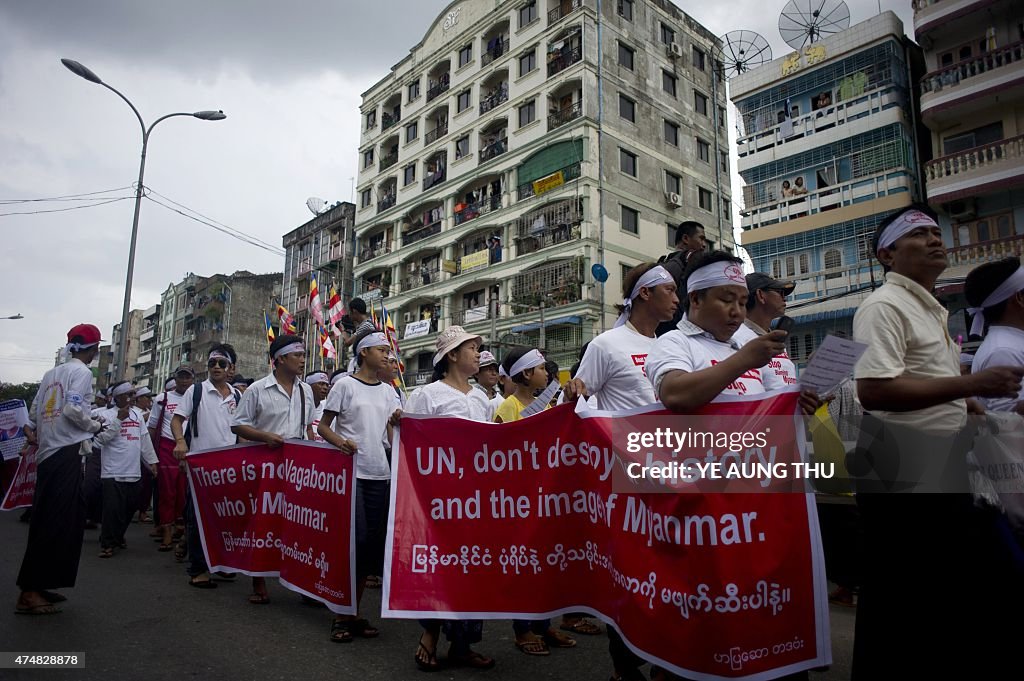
[
  {"x": 315, "y": 205},
  {"x": 742, "y": 51},
  {"x": 599, "y": 272},
  {"x": 807, "y": 21}
]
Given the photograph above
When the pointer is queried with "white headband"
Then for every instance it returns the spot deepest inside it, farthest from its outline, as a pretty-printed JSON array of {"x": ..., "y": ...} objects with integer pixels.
[
  {"x": 318, "y": 377},
  {"x": 722, "y": 273},
  {"x": 78, "y": 347},
  {"x": 903, "y": 225},
  {"x": 142, "y": 392},
  {"x": 655, "y": 276},
  {"x": 217, "y": 354},
  {"x": 339, "y": 377},
  {"x": 501, "y": 371},
  {"x": 373, "y": 340},
  {"x": 528, "y": 361},
  {"x": 170, "y": 385},
  {"x": 289, "y": 349},
  {"x": 123, "y": 389},
  {"x": 1013, "y": 284}
]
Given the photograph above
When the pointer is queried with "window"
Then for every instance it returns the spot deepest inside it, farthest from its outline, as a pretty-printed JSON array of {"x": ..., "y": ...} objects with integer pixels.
[
  {"x": 704, "y": 199},
  {"x": 462, "y": 147},
  {"x": 412, "y": 131},
  {"x": 672, "y": 133},
  {"x": 721, "y": 118},
  {"x": 808, "y": 345},
  {"x": 371, "y": 120},
  {"x": 368, "y": 158},
  {"x": 668, "y": 36},
  {"x": 988, "y": 228},
  {"x": 699, "y": 58},
  {"x": 527, "y": 113},
  {"x": 627, "y": 162},
  {"x": 986, "y": 134},
  {"x": 528, "y": 13},
  {"x": 805, "y": 263},
  {"x": 527, "y": 62},
  {"x": 625, "y": 269},
  {"x": 668, "y": 83},
  {"x": 625, "y": 9},
  {"x": 671, "y": 242},
  {"x": 726, "y": 209},
  {"x": 700, "y": 103},
  {"x": 790, "y": 269},
  {"x": 833, "y": 259},
  {"x": 776, "y": 269},
  {"x": 627, "y": 108},
  {"x": 463, "y": 101},
  {"x": 703, "y": 150},
  {"x": 465, "y": 55},
  {"x": 626, "y": 55},
  {"x": 630, "y": 220},
  {"x": 794, "y": 343},
  {"x": 365, "y": 198},
  {"x": 409, "y": 174},
  {"x": 723, "y": 161},
  {"x": 673, "y": 183},
  {"x": 414, "y": 90}
]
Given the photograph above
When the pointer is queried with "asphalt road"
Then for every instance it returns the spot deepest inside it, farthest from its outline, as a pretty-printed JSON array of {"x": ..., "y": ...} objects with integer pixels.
[{"x": 135, "y": 617}]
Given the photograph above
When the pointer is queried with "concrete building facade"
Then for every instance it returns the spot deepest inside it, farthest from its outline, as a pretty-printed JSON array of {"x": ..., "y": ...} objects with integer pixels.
[
  {"x": 135, "y": 323},
  {"x": 146, "y": 362}
]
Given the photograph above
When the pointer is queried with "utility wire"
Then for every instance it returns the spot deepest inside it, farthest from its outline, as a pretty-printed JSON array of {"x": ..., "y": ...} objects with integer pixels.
[
  {"x": 61, "y": 210},
  {"x": 66, "y": 197},
  {"x": 241, "y": 236},
  {"x": 216, "y": 222}
]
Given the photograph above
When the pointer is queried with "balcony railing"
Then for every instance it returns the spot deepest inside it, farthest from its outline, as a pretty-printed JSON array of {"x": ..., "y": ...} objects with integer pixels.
[
  {"x": 302, "y": 303},
  {"x": 551, "y": 235},
  {"x": 148, "y": 334},
  {"x": 979, "y": 158},
  {"x": 565, "y": 9},
  {"x": 552, "y": 181},
  {"x": 337, "y": 250},
  {"x": 435, "y": 178},
  {"x": 421, "y": 233},
  {"x": 388, "y": 161},
  {"x": 438, "y": 89},
  {"x": 953, "y": 75},
  {"x": 555, "y": 284},
  {"x": 435, "y": 134},
  {"x": 387, "y": 120},
  {"x": 563, "y": 116},
  {"x": 143, "y": 359},
  {"x": 475, "y": 210},
  {"x": 564, "y": 60},
  {"x": 374, "y": 251},
  {"x": 386, "y": 202},
  {"x": 422, "y": 277},
  {"x": 305, "y": 266},
  {"x": 417, "y": 378},
  {"x": 188, "y": 337},
  {"x": 497, "y": 49},
  {"x": 468, "y": 316},
  {"x": 987, "y": 251},
  {"x": 490, "y": 102},
  {"x": 494, "y": 149}
]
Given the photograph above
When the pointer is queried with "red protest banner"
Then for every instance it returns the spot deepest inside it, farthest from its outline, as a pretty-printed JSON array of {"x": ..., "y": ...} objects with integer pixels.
[
  {"x": 285, "y": 512},
  {"x": 23, "y": 486},
  {"x": 529, "y": 519}
]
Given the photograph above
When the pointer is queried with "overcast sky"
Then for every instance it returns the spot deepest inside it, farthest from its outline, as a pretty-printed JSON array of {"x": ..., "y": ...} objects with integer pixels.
[{"x": 289, "y": 78}]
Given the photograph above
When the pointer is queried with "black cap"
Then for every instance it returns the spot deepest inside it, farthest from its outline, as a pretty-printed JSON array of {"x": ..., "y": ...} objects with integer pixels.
[{"x": 757, "y": 281}]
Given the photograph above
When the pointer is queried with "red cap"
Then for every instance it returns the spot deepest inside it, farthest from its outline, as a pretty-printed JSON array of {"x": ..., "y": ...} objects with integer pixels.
[{"x": 90, "y": 334}]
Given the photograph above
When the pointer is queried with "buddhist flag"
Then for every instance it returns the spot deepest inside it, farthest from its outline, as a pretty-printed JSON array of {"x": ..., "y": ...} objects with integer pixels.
[
  {"x": 392, "y": 335},
  {"x": 326, "y": 346},
  {"x": 286, "y": 320},
  {"x": 270, "y": 329},
  {"x": 335, "y": 310},
  {"x": 315, "y": 308},
  {"x": 373, "y": 317}
]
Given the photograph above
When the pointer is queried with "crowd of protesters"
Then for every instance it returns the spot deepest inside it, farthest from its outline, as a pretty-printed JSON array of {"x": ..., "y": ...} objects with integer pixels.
[{"x": 936, "y": 575}]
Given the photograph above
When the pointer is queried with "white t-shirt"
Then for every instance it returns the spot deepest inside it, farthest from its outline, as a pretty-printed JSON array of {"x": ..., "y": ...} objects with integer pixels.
[
  {"x": 214, "y": 422},
  {"x": 173, "y": 400},
  {"x": 780, "y": 372},
  {"x": 318, "y": 415},
  {"x": 613, "y": 369},
  {"x": 690, "y": 348},
  {"x": 492, "y": 402},
  {"x": 363, "y": 410},
  {"x": 440, "y": 399},
  {"x": 125, "y": 443},
  {"x": 1003, "y": 346},
  {"x": 61, "y": 410}
]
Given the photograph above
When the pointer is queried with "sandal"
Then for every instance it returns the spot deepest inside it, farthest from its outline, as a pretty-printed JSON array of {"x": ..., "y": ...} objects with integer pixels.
[
  {"x": 472, "y": 659},
  {"x": 200, "y": 583},
  {"x": 341, "y": 631},
  {"x": 558, "y": 640},
  {"x": 42, "y": 609},
  {"x": 582, "y": 626},
  {"x": 256, "y": 598},
  {"x": 106, "y": 553},
  {"x": 427, "y": 661},
  {"x": 164, "y": 547},
  {"x": 534, "y": 646},
  {"x": 53, "y": 596},
  {"x": 363, "y": 629}
]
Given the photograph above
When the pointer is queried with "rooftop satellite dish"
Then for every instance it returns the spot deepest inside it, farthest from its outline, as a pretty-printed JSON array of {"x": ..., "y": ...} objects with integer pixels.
[
  {"x": 315, "y": 205},
  {"x": 742, "y": 51},
  {"x": 807, "y": 21}
]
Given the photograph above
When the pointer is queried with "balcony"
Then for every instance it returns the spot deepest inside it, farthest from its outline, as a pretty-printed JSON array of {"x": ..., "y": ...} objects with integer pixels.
[
  {"x": 563, "y": 10},
  {"x": 302, "y": 302},
  {"x": 188, "y": 337},
  {"x": 439, "y": 88},
  {"x": 435, "y": 178},
  {"x": 475, "y": 210},
  {"x": 563, "y": 116},
  {"x": 497, "y": 49},
  {"x": 421, "y": 233},
  {"x": 388, "y": 120},
  {"x": 374, "y": 250},
  {"x": 423, "y": 276},
  {"x": 470, "y": 315},
  {"x": 973, "y": 78},
  {"x": 435, "y": 134},
  {"x": 494, "y": 149},
  {"x": 143, "y": 359},
  {"x": 305, "y": 266},
  {"x": 417, "y": 378},
  {"x": 564, "y": 60},
  {"x": 554, "y": 284},
  {"x": 386, "y": 201},
  {"x": 929, "y": 14},
  {"x": 987, "y": 251},
  {"x": 494, "y": 100},
  {"x": 388, "y": 161},
  {"x": 148, "y": 334},
  {"x": 550, "y": 182},
  {"x": 337, "y": 251},
  {"x": 964, "y": 174}
]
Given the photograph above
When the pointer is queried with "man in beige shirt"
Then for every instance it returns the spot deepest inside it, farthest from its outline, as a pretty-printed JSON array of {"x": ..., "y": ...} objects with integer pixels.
[{"x": 935, "y": 580}]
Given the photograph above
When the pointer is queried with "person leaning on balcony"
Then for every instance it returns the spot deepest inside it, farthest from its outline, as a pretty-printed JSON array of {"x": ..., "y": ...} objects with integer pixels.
[{"x": 919, "y": 548}]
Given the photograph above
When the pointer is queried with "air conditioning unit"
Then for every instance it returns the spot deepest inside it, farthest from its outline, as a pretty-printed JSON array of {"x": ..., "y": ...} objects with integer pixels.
[
  {"x": 674, "y": 199},
  {"x": 675, "y": 50},
  {"x": 965, "y": 209},
  {"x": 409, "y": 317}
]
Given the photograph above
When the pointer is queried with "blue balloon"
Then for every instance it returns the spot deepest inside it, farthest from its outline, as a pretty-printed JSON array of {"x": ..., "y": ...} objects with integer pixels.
[{"x": 599, "y": 272}]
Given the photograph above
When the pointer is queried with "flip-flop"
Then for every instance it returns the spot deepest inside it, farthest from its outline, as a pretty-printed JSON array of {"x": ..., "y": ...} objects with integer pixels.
[
  {"x": 256, "y": 598},
  {"x": 559, "y": 640},
  {"x": 202, "y": 583},
  {"x": 431, "y": 664},
  {"x": 534, "y": 647},
  {"x": 53, "y": 596},
  {"x": 106, "y": 553},
  {"x": 164, "y": 548},
  {"x": 341, "y": 631},
  {"x": 45, "y": 609}
]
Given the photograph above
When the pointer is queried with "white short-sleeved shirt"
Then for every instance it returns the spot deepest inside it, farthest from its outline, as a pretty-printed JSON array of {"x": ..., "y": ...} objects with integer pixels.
[
  {"x": 363, "y": 410},
  {"x": 318, "y": 415},
  {"x": 1003, "y": 346},
  {"x": 612, "y": 369},
  {"x": 60, "y": 410},
  {"x": 267, "y": 407},
  {"x": 125, "y": 444},
  {"x": 690, "y": 348},
  {"x": 780, "y": 372},
  {"x": 214, "y": 420},
  {"x": 173, "y": 401},
  {"x": 440, "y": 399},
  {"x": 905, "y": 329}
]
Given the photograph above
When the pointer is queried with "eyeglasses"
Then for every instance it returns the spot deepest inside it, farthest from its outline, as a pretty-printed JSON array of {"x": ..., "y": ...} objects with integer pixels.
[{"x": 222, "y": 363}]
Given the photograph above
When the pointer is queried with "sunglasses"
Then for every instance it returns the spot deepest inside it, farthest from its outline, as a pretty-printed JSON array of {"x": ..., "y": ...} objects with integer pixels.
[{"x": 222, "y": 363}]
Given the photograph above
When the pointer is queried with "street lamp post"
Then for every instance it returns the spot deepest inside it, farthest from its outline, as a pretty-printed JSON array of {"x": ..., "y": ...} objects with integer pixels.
[{"x": 84, "y": 72}]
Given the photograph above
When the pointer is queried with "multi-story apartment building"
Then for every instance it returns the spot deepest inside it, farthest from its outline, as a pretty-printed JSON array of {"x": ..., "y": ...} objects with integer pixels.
[
  {"x": 131, "y": 354},
  {"x": 322, "y": 247},
  {"x": 519, "y": 144},
  {"x": 828, "y": 146},
  {"x": 174, "y": 345},
  {"x": 145, "y": 366},
  {"x": 972, "y": 100}
]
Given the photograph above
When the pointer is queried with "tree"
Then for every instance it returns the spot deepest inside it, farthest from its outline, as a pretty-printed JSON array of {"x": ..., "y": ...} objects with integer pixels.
[{"x": 22, "y": 391}]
